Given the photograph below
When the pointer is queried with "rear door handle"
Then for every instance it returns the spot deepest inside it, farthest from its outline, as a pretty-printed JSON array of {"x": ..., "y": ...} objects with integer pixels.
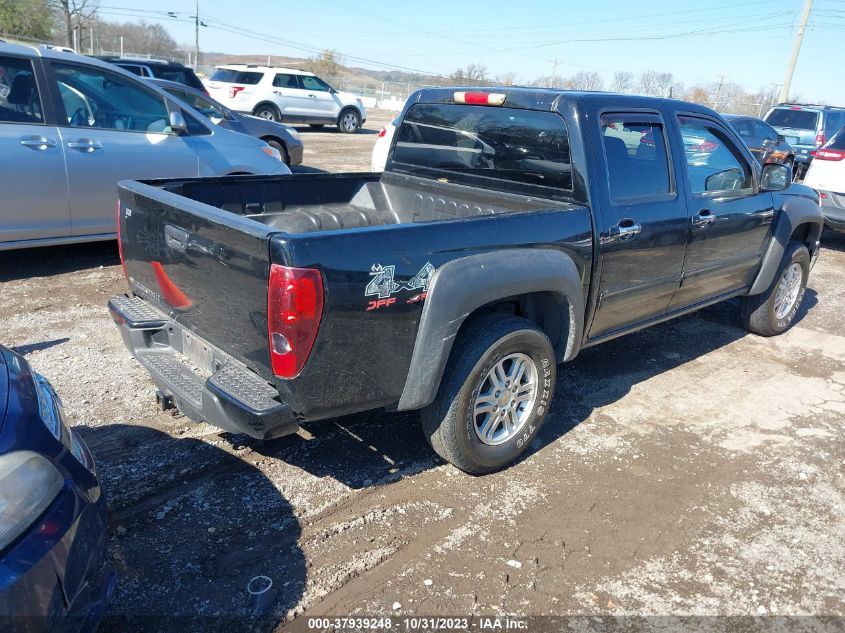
[
  {"x": 626, "y": 229},
  {"x": 85, "y": 145},
  {"x": 704, "y": 218},
  {"x": 37, "y": 142},
  {"x": 176, "y": 238}
]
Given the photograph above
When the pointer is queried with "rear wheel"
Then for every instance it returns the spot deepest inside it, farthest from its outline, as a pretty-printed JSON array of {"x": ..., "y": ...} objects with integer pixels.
[
  {"x": 268, "y": 112},
  {"x": 494, "y": 396},
  {"x": 349, "y": 121},
  {"x": 773, "y": 311}
]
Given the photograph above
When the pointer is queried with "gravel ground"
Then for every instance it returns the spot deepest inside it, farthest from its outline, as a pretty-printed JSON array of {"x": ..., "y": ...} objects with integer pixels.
[{"x": 690, "y": 469}]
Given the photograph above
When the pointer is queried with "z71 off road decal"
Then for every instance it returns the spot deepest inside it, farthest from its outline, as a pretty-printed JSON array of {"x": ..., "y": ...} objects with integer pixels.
[{"x": 383, "y": 285}]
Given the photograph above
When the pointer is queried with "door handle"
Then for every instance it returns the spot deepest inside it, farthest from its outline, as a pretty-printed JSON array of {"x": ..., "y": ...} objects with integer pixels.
[
  {"x": 312, "y": 95},
  {"x": 704, "y": 218},
  {"x": 37, "y": 142},
  {"x": 85, "y": 144},
  {"x": 626, "y": 229}
]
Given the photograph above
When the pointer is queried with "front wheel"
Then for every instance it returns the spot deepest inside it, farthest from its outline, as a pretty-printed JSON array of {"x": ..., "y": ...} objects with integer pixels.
[
  {"x": 349, "y": 121},
  {"x": 773, "y": 311},
  {"x": 494, "y": 396},
  {"x": 279, "y": 147}
]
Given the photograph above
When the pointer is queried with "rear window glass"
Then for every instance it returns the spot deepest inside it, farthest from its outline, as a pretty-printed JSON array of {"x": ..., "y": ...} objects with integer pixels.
[
  {"x": 485, "y": 146},
  {"x": 229, "y": 76},
  {"x": 796, "y": 119}
]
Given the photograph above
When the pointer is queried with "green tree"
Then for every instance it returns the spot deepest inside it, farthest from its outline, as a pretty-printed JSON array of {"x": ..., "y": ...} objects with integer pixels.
[{"x": 31, "y": 19}]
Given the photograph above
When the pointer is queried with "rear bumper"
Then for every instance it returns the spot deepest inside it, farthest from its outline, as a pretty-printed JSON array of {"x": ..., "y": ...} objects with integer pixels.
[
  {"x": 833, "y": 210},
  {"x": 225, "y": 393}
]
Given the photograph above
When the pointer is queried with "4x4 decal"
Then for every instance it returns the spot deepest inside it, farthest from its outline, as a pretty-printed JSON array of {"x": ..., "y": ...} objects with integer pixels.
[{"x": 383, "y": 285}]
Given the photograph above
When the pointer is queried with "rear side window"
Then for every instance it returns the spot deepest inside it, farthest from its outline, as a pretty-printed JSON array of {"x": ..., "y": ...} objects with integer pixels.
[
  {"x": 229, "y": 76},
  {"x": 493, "y": 147},
  {"x": 19, "y": 101},
  {"x": 637, "y": 161},
  {"x": 796, "y": 119},
  {"x": 282, "y": 80},
  {"x": 135, "y": 70},
  {"x": 743, "y": 128}
]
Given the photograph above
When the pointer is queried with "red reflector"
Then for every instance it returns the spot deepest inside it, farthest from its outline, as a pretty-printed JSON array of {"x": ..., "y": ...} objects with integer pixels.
[
  {"x": 294, "y": 309},
  {"x": 480, "y": 98},
  {"x": 120, "y": 243},
  {"x": 382, "y": 132},
  {"x": 830, "y": 154},
  {"x": 822, "y": 195}
]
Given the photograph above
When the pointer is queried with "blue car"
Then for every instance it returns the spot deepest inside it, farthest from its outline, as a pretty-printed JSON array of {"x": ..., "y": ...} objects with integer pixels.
[{"x": 53, "y": 537}]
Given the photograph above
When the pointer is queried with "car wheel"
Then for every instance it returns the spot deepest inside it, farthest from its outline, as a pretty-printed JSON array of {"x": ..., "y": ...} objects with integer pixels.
[
  {"x": 349, "y": 121},
  {"x": 494, "y": 395},
  {"x": 268, "y": 112},
  {"x": 280, "y": 147},
  {"x": 773, "y": 311}
]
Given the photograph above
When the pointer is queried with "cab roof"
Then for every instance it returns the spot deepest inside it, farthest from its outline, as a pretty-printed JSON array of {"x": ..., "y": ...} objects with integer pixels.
[{"x": 260, "y": 68}]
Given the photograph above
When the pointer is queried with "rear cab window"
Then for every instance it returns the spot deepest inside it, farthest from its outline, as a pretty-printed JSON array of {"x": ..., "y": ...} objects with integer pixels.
[
  {"x": 232, "y": 76},
  {"x": 19, "y": 100},
  {"x": 510, "y": 149}
]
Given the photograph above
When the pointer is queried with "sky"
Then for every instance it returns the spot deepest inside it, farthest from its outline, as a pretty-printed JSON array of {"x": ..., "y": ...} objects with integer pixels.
[{"x": 747, "y": 42}]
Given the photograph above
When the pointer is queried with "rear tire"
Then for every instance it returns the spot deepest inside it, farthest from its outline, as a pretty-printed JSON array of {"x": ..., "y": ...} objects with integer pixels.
[
  {"x": 349, "y": 121},
  {"x": 504, "y": 362},
  {"x": 267, "y": 111},
  {"x": 773, "y": 311}
]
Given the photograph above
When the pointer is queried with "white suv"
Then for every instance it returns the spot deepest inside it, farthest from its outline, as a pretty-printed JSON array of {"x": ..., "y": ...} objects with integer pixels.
[{"x": 285, "y": 94}]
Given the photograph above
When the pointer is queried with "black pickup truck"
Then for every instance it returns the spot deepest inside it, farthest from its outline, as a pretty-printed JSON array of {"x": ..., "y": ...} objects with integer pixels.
[{"x": 511, "y": 229}]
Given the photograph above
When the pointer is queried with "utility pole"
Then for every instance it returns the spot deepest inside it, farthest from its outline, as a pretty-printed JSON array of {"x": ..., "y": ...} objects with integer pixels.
[
  {"x": 197, "y": 37},
  {"x": 796, "y": 47},
  {"x": 91, "y": 43},
  {"x": 554, "y": 67},
  {"x": 121, "y": 46}
]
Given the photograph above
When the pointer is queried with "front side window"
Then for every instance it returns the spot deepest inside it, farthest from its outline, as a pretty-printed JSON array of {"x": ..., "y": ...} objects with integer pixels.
[
  {"x": 94, "y": 98},
  {"x": 714, "y": 164},
  {"x": 637, "y": 161},
  {"x": 282, "y": 80},
  {"x": 314, "y": 83},
  {"x": 765, "y": 131},
  {"x": 526, "y": 150},
  {"x": 19, "y": 101},
  {"x": 201, "y": 104}
]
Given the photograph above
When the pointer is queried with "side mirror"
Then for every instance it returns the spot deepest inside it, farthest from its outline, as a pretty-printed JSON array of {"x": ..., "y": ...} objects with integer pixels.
[
  {"x": 775, "y": 177},
  {"x": 781, "y": 138},
  {"x": 177, "y": 123}
]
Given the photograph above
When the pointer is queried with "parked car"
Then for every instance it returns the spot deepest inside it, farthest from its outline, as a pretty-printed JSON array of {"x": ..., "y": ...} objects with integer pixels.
[
  {"x": 286, "y": 94},
  {"x": 465, "y": 270},
  {"x": 382, "y": 146},
  {"x": 72, "y": 126},
  {"x": 283, "y": 137},
  {"x": 806, "y": 128},
  {"x": 762, "y": 139},
  {"x": 52, "y": 511},
  {"x": 827, "y": 176},
  {"x": 159, "y": 69}
]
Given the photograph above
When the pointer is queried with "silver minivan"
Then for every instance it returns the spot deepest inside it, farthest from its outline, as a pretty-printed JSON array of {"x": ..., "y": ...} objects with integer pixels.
[{"x": 71, "y": 127}]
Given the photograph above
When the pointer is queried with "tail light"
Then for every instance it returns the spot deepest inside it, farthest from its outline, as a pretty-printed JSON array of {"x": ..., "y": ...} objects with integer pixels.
[
  {"x": 294, "y": 309},
  {"x": 234, "y": 90},
  {"x": 120, "y": 242},
  {"x": 820, "y": 139},
  {"x": 830, "y": 154},
  {"x": 382, "y": 132}
]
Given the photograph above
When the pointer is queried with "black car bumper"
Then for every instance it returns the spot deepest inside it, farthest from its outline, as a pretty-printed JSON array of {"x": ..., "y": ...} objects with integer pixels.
[
  {"x": 224, "y": 393},
  {"x": 833, "y": 210}
]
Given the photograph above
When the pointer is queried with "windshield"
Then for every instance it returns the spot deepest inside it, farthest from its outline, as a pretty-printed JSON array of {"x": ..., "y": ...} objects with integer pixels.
[
  {"x": 484, "y": 146},
  {"x": 227, "y": 75},
  {"x": 795, "y": 119}
]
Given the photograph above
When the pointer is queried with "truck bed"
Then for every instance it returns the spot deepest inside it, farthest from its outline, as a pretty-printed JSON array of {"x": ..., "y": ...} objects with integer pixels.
[{"x": 307, "y": 203}]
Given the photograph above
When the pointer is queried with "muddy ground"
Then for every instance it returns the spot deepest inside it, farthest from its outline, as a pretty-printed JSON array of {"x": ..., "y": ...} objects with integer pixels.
[{"x": 687, "y": 469}]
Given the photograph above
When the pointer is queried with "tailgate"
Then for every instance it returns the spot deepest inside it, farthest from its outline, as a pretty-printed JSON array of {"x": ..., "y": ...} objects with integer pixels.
[{"x": 205, "y": 267}]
